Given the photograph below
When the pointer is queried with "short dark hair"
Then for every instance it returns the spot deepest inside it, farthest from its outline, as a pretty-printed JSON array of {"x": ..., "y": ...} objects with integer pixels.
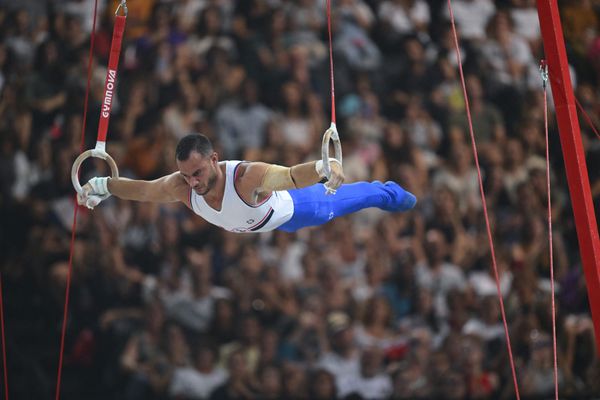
[{"x": 194, "y": 142}]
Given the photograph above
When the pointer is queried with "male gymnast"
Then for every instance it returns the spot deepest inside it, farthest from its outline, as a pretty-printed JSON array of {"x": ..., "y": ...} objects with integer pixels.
[{"x": 242, "y": 196}]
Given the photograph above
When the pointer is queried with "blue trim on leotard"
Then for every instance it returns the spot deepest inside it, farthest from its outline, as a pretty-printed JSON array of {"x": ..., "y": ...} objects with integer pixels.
[{"x": 313, "y": 207}]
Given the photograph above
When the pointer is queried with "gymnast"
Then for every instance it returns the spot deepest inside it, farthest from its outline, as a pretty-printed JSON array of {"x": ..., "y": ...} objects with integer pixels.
[{"x": 242, "y": 196}]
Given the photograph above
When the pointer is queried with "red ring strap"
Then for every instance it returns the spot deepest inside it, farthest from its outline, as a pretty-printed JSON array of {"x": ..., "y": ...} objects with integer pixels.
[{"x": 111, "y": 77}]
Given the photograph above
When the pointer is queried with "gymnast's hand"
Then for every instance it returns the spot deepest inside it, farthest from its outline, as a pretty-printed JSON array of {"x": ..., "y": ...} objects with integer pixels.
[
  {"x": 94, "y": 192},
  {"x": 336, "y": 178}
]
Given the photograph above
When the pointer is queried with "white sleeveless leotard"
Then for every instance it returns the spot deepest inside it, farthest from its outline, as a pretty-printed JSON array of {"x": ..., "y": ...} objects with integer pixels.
[{"x": 238, "y": 216}]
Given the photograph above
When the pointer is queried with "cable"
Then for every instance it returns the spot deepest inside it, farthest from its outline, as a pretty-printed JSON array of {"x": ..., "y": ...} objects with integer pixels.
[
  {"x": 485, "y": 212},
  {"x": 330, "y": 134},
  {"x": 331, "y": 62},
  {"x": 544, "y": 73},
  {"x": 587, "y": 117},
  {"x": 75, "y": 209}
]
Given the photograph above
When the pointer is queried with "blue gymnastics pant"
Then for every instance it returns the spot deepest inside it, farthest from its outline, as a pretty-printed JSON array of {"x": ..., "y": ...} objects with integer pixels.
[{"x": 312, "y": 207}]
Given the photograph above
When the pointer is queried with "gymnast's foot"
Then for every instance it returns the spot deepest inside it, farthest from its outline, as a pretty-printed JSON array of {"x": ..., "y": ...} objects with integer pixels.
[{"x": 401, "y": 200}]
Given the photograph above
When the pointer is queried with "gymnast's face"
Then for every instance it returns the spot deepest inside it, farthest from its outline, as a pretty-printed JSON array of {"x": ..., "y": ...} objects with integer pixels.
[{"x": 199, "y": 172}]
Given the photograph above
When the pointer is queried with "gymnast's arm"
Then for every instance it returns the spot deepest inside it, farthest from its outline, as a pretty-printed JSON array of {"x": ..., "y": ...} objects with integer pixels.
[
  {"x": 169, "y": 188},
  {"x": 262, "y": 177}
]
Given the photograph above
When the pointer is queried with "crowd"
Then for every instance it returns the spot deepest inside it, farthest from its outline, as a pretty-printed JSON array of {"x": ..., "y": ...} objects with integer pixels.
[{"x": 375, "y": 305}]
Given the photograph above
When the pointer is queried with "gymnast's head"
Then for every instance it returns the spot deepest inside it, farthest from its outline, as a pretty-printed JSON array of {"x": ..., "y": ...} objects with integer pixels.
[{"x": 197, "y": 162}]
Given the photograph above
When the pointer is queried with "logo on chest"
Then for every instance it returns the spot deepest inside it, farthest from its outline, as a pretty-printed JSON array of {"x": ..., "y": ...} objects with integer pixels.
[{"x": 250, "y": 221}]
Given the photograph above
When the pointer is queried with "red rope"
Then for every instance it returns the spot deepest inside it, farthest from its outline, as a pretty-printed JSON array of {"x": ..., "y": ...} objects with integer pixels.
[
  {"x": 587, "y": 117},
  {"x": 550, "y": 234},
  {"x": 75, "y": 209},
  {"x": 3, "y": 342},
  {"x": 331, "y": 62},
  {"x": 485, "y": 212},
  {"x": 582, "y": 110}
]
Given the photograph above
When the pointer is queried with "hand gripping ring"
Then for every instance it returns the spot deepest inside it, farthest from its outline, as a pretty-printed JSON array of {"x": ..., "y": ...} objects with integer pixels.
[
  {"x": 85, "y": 155},
  {"x": 330, "y": 134}
]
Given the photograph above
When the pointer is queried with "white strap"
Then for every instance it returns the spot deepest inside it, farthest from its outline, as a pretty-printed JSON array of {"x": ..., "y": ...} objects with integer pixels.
[
  {"x": 99, "y": 186},
  {"x": 319, "y": 167}
]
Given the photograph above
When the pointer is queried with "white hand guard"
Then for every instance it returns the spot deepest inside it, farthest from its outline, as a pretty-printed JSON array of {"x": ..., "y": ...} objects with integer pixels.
[
  {"x": 99, "y": 187},
  {"x": 94, "y": 192}
]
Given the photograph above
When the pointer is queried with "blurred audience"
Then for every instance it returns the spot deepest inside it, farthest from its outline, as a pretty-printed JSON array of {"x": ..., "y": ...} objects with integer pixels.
[{"x": 164, "y": 306}]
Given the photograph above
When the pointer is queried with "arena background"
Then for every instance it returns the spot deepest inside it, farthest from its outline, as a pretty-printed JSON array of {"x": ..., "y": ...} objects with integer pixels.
[{"x": 164, "y": 306}]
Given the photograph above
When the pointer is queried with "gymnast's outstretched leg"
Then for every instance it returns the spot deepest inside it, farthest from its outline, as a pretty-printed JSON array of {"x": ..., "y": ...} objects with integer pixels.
[{"x": 313, "y": 207}]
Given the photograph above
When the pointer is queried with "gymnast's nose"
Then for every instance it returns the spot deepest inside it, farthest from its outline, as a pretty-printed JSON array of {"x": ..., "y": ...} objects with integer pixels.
[{"x": 193, "y": 181}]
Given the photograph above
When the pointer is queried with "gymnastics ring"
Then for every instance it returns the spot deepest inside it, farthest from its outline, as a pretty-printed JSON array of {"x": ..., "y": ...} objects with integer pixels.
[
  {"x": 330, "y": 134},
  {"x": 84, "y": 156}
]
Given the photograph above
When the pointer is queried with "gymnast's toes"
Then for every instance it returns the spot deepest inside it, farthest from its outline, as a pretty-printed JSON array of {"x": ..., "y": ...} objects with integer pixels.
[{"x": 403, "y": 199}]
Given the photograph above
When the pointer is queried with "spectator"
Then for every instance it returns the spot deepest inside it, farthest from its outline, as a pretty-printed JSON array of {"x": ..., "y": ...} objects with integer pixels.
[
  {"x": 353, "y": 20},
  {"x": 200, "y": 380},
  {"x": 488, "y": 123},
  {"x": 343, "y": 359},
  {"x": 436, "y": 274},
  {"x": 506, "y": 53},
  {"x": 240, "y": 383},
  {"x": 269, "y": 379},
  {"x": 376, "y": 328},
  {"x": 242, "y": 123},
  {"x": 539, "y": 370},
  {"x": 144, "y": 360},
  {"x": 410, "y": 381},
  {"x": 486, "y": 326},
  {"x": 295, "y": 124},
  {"x": 247, "y": 344},
  {"x": 471, "y": 17},
  {"x": 324, "y": 385},
  {"x": 405, "y": 17},
  {"x": 371, "y": 383},
  {"x": 295, "y": 381},
  {"x": 527, "y": 24},
  {"x": 194, "y": 309},
  {"x": 460, "y": 178}
]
